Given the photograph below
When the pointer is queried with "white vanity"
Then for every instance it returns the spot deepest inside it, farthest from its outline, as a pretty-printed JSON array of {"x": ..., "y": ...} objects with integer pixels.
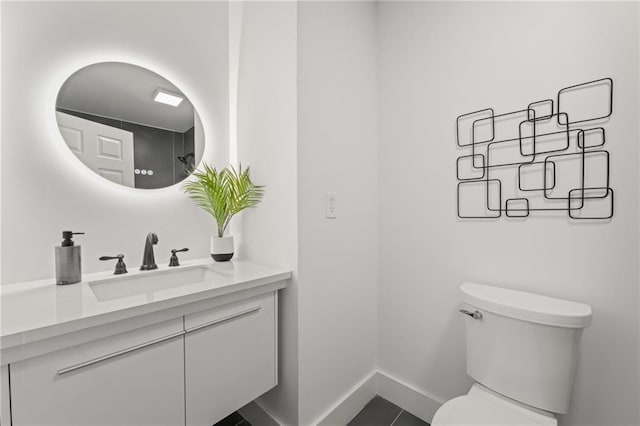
[{"x": 177, "y": 346}]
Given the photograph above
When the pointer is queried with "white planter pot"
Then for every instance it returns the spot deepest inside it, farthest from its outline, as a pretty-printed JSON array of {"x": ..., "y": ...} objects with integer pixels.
[{"x": 221, "y": 248}]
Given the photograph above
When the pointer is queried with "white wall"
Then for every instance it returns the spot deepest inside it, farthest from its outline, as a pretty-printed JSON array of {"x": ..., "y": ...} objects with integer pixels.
[
  {"x": 310, "y": 104},
  {"x": 267, "y": 141},
  {"x": 45, "y": 190},
  {"x": 337, "y": 151},
  {"x": 438, "y": 60}
]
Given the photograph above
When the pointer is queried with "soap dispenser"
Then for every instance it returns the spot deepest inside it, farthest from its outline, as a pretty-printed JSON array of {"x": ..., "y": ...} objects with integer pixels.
[{"x": 68, "y": 266}]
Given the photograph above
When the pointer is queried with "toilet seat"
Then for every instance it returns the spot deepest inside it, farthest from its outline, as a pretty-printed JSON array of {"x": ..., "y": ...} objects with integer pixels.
[{"x": 481, "y": 407}]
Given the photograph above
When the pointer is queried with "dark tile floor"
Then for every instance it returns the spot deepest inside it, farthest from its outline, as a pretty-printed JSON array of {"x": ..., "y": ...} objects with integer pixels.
[
  {"x": 380, "y": 412},
  {"x": 377, "y": 412},
  {"x": 233, "y": 419}
]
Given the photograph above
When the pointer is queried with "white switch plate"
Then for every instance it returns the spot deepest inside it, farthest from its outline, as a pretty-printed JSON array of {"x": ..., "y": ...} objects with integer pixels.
[{"x": 330, "y": 209}]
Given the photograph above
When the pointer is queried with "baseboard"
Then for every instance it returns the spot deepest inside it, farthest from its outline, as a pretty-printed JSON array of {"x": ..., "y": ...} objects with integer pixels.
[
  {"x": 351, "y": 403},
  {"x": 416, "y": 401}
]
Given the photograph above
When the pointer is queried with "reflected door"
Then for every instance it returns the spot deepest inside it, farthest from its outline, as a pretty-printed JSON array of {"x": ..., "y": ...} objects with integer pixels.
[{"x": 106, "y": 150}]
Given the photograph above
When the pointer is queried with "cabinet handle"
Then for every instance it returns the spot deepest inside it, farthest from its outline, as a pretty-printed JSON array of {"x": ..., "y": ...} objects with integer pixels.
[
  {"x": 155, "y": 341},
  {"x": 118, "y": 353},
  {"x": 224, "y": 319}
]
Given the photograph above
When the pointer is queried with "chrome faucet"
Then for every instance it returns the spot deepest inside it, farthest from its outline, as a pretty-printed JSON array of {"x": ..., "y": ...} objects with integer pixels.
[{"x": 148, "y": 259}]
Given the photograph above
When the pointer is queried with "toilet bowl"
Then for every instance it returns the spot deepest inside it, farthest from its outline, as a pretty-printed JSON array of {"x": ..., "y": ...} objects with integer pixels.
[{"x": 522, "y": 351}]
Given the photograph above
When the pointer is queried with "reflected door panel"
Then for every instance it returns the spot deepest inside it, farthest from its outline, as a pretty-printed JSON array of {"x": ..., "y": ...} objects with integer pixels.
[{"x": 106, "y": 150}]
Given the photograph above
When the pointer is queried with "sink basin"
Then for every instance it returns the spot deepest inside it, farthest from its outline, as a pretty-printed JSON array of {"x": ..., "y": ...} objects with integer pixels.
[{"x": 152, "y": 285}]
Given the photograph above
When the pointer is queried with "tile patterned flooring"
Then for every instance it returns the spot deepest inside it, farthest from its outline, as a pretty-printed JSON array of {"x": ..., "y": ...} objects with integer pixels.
[
  {"x": 377, "y": 412},
  {"x": 380, "y": 412},
  {"x": 233, "y": 419}
]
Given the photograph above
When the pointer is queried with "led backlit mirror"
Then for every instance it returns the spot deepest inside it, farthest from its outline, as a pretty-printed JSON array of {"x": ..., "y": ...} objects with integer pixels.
[{"x": 129, "y": 125}]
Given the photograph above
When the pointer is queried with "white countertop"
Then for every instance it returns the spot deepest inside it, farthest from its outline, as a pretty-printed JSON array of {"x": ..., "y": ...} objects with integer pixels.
[{"x": 37, "y": 310}]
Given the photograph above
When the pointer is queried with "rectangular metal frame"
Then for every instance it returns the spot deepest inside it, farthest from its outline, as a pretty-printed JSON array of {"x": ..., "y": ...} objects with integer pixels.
[{"x": 588, "y": 83}]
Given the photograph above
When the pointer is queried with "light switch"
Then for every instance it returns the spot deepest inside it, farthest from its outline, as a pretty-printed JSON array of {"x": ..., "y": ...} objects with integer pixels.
[{"x": 330, "y": 205}]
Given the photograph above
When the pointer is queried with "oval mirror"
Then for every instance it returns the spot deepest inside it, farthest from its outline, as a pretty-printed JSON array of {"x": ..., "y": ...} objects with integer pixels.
[{"x": 129, "y": 125}]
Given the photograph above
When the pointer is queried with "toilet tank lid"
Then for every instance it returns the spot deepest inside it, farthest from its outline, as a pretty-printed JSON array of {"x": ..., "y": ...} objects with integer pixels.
[{"x": 527, "y": 306}]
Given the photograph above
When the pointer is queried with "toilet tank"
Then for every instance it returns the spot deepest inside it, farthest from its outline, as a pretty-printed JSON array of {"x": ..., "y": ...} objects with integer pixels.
[{"x": 524, "y": 346}]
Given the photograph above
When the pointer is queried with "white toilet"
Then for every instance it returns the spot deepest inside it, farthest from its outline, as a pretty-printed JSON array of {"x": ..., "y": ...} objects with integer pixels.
[{"x": 522, "y": 351}]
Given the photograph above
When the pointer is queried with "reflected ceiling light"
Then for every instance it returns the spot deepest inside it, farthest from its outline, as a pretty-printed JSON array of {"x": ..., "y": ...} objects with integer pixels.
[{"x": 166, "y": 97}]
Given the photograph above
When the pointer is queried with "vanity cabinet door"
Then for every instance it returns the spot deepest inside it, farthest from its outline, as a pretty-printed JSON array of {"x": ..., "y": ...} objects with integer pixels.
[
  {"x": 134, "y": 378},
  {"x": 230, "y": 358}
]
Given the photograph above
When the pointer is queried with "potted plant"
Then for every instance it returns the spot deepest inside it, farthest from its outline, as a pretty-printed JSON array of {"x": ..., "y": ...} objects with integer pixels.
[{"x": 223, "y": 194}]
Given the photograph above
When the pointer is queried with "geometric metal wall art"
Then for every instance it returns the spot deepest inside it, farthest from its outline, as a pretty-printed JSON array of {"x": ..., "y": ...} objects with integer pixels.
[{"x": 547, "y": 157}]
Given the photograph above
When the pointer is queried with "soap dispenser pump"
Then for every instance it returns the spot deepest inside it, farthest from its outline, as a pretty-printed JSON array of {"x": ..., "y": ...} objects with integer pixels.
[{"x": 68, "y": 260}]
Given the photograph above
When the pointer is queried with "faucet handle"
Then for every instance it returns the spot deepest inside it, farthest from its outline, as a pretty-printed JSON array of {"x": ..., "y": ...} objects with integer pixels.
[
  {"x": 121, "y": 268},
  {"x": 173, "y": 261}
]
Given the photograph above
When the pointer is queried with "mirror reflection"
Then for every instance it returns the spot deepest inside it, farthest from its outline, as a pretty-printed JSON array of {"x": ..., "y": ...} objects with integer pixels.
[{"x": 129, "y": 125}]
